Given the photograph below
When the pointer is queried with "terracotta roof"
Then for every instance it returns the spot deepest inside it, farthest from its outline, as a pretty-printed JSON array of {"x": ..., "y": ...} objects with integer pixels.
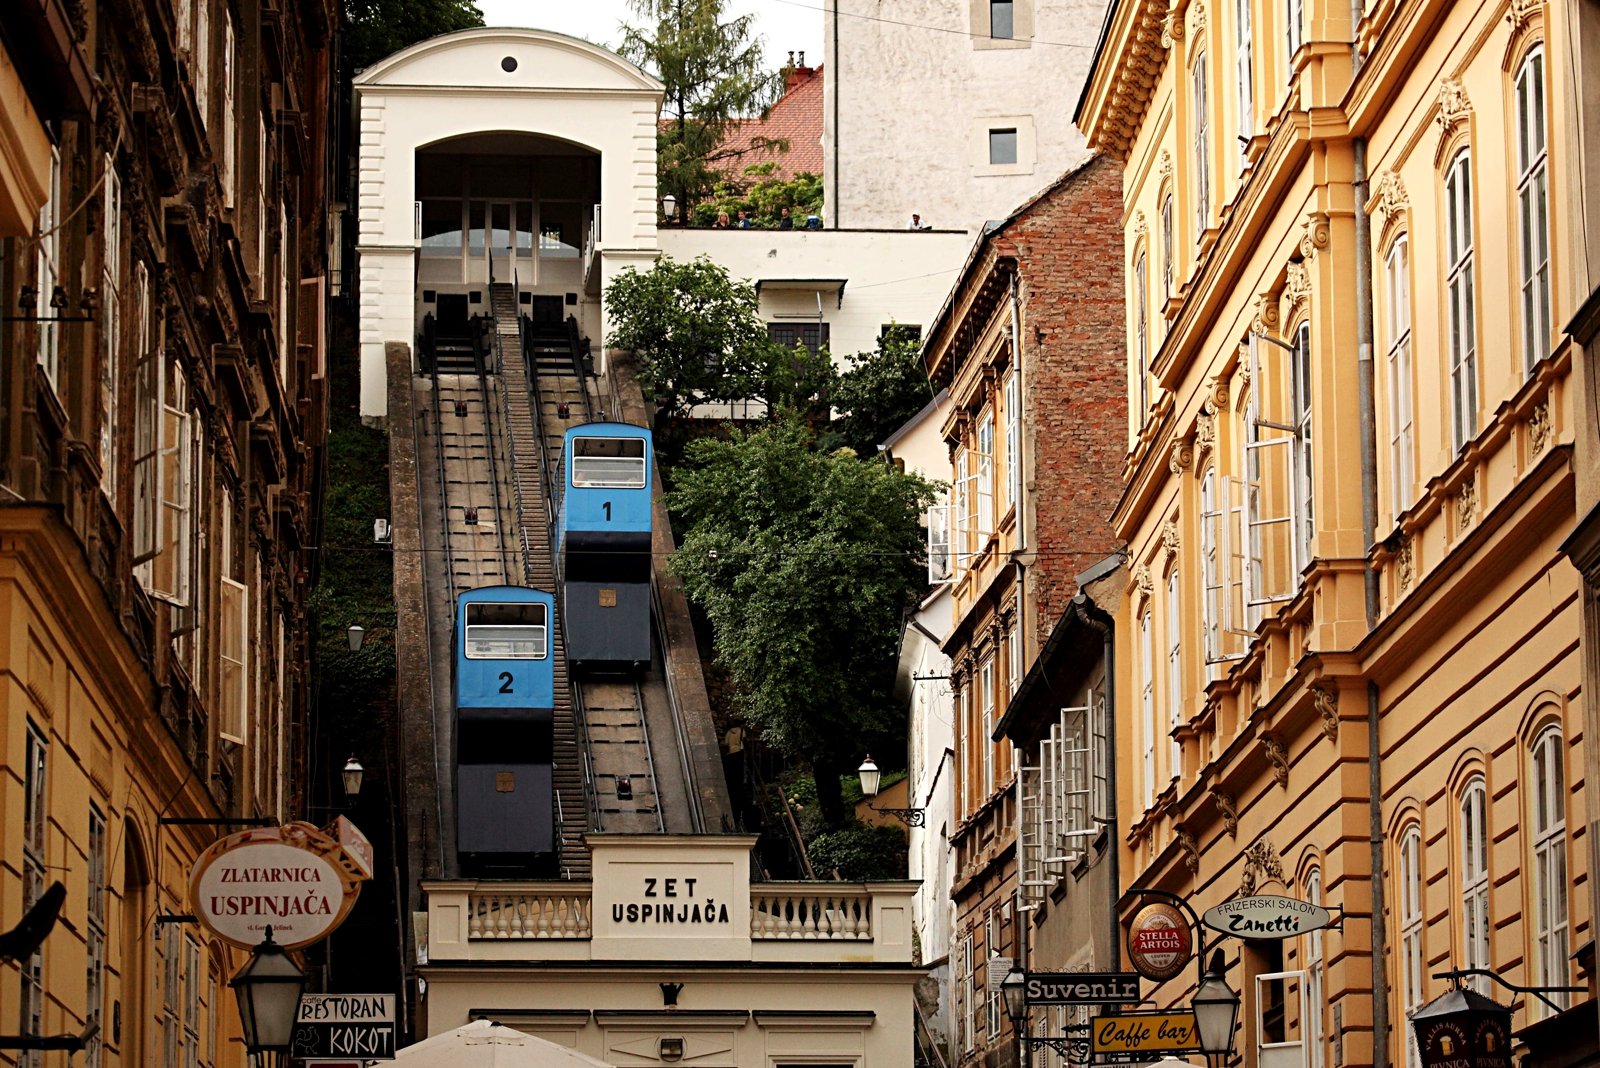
[{"x": 797, "y": 117}]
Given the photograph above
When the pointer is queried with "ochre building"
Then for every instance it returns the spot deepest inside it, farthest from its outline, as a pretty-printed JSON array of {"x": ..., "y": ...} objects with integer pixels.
[{"x": 1351, "y": 642}]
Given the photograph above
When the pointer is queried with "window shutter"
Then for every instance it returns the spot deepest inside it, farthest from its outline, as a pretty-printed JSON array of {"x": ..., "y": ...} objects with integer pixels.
[{"x": 940, "y": 566}]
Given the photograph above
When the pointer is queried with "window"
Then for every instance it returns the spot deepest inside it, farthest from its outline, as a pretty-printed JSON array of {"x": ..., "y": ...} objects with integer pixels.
[
  {"x": 171, "y": 996},
  {"x": 986, "y": 723},
  {"x": 233, "y": 696},
  {"x": 1304, "y": 475},
  {"x": 1202, "y": 147},
  {"x": 985, "y": 473},
  {"x": 812, "y": 335},
  {"x": 1243, "y": 59},
  {"x": 505, "y": 631},
  {"x": 1314, "y": 976},
  {"x": 1141, "y": 333},
  {"x": 230, "y": 133},
  {"x": 961, "y": 515},
  {"x": 49, "y": 263},
  {"x": 164, "y": 448},
  {"x": 1549, "y": 803},
  {"x": 608, "y": 463},
  {"x": 1533, "y": 208},
  {"x": 1014, "y": 651},
  {"x": 1295, "y": 16},
  {"x": 190, "y": 1040},
  {"x": 1211, "y": 566},
  {"x": 1461, "y": 299},
  {"x": 1475, "y": 880},
  {"x": 1000, "y": 20},
  {"x": 110, "y": 326},
  {"x": 991, "y": 949},
  {"x": 202, "y": 58},
  {"x": 35, "y": 823},
  {"x": 1166, "y": 251},
  {"x": 1063, "y": 795},
  {"x": 1012, "y": 398},
  {"x": 966, "y": 994},
  {"x": 1400, "y": 421},
  {"x": 1174, "y": 672},
  {"x": 1148, "y": 706},
  {"x": 1410, "y": 907},
  {"x": 941, "y": 566},
  {"x": 95, "y": 934},
  {"x": 1002, "y": 147}
]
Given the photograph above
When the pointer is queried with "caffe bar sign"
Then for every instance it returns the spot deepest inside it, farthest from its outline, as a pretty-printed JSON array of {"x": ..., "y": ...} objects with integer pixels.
[{"x": 1266, "y": 917}]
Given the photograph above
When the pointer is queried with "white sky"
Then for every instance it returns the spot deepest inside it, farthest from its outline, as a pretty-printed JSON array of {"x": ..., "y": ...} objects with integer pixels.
[{"x": 783, "y": 24}]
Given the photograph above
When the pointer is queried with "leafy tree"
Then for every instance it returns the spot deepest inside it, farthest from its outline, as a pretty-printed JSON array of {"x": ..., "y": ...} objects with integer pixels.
[
  {"x": 804, "y": 564},
  {"x": 711, "y": 67},
  {"x": 763, "y": 197},
  {"x": 695, "y": 330},
  {"x": 860, "y": 852},
  {"x": 880, "y": 391},
  {"x": 797, "y": 378},
  {"x": 377, "y": 28}
]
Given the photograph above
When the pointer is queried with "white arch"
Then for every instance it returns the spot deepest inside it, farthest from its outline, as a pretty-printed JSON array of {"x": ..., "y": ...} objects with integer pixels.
[{"x": 450, "y": 60}]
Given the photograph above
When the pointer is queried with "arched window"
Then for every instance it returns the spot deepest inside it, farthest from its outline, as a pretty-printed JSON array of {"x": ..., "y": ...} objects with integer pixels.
[
  {"x": 1141, "y": 334},
  {"x": 1167, "y": 268},
  {"x": 1410, "y": 908},
  {"x": 1533, "y": 223},
  {"x": 1243, "y": 61},
  {"x": 1202, "y": 150},
  {"x": 1174, "y": 671},
  {"x": 1148, "y": 707},
  {"x": 1461, "y": 299},
  {"x": 1548, "y": 800},
  {"x": 1474, "y": 868},
  {"x": 1397, "y": 276},
  {"x": 1211, "y": 565},
  {"x": 1315, "y": 991}
]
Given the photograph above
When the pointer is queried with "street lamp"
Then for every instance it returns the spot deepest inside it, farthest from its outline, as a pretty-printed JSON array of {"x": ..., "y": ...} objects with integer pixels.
[
  {"x": 356, "y": 635},
  {"x": 1216, "y": 1009},
  {"x": 268, "y": 988},
  {"x": 352, "y": 777},
  {"x": 1013, "y": 990},
  {"x": 669, "y": 207},
  {"x": 870, "y": 778}
]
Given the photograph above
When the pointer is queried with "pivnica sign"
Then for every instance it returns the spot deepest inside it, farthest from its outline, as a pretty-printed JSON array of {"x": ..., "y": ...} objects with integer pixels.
[
  {"x": 1266, "y": 917},
  {"x": 668, "y": 899}
]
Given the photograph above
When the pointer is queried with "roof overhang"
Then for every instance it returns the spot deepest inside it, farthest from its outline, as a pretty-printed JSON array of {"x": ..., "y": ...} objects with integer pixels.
[{"x": 831, "y": 286}]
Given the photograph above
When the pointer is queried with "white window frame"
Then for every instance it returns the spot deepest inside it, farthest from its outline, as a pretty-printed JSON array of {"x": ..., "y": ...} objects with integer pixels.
[
  {"x": 1304, "y": 489},
  {"x": 1315, "y": 1032},
  {"x": 991, "y": 949},
  {"x": 1402, "y": 462},
  {"x": 233, "y": 651},
  {"x": 1168, "y": 268},
  {"x": 1244, "y": 61},
  {"x": 171, "y": 994},
  {"x": 1011, "y": 397},
  {"x": 962, "y": 517},
  {"x": 1461, "y": 300},
  {"x": 1547, "y": 772},
  {"x": 1202, "y": 144},
  {"x": 110, "y": 325},
  {"x": 941, "y": 565},
  {"x": 1174, "y": 672},
  {"x": 985, "y": 475},
  {"x": 1213, "y": 571},
  {"x": 1014, "y": 667},
  {"x": 49, "y": 276},
  {"x": 1410, "y": 909},
  {"x": 230, "y": 132},
  {"x": 148, "y": 385},
  {"x": 1295, "y": 19},
  {"x": 202, "y": 60},
  {"x": 1473, "y": 810},
  {"x": 1148, "y": 707},
  {"x": 1533, "y": 206},
  {"x": 1283, "y": 1050},
  {"x": 35, "y": 865},
  {"x": 967, "y": 1013},
  {"x": 1141, "y": 336},
  {"x": 189, "y": 1039},
  {"x": 1247, "y": 497},
  {"x": 986, "y": 722},
  {"x": 95, "y": 939}
]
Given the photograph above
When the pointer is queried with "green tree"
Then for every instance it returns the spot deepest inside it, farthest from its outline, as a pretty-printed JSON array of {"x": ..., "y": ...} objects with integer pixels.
[
  {"x": 711, "y": 67},
  {"x": 695, "y": 330},
  {"x": 763, "y": 196},
  {"x": 804, "y": 564},
  {"x": 880, "y": 391},
  {"x": 377, "y": 28}
]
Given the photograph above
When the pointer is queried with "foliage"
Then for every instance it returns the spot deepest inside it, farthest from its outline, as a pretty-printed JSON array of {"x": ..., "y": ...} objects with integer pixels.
[
  {"x": 695, "y": 331},
  {"x": 880, "y": 391},
  {"x": 860, "y": 852},
  {"x": 799, "y": 379},
  {"x": 763, "y": 197},
  {"x": 377, "y": 28},
  {"x": 804, "y": 564},
  {"x": 711, "y": 67}
]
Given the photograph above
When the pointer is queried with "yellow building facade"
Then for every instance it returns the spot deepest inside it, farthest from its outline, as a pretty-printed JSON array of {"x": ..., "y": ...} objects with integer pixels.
[{"x": 1350, "y": 650}]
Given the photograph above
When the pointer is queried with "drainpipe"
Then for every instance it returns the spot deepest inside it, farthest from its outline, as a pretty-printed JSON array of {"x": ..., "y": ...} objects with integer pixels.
[
  {"x": 836, "y": 73},
  {"x": 1369, "y": 523}
]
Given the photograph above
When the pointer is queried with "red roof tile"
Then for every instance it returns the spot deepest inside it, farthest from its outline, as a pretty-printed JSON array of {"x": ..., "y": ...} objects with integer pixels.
[{"x": 797, "y": 118}]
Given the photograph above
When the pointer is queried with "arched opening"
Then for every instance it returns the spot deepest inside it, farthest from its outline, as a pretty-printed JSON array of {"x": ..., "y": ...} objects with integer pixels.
[
  {"x": 128, "y": 1026},
  {"x": 503, "y": 208}
]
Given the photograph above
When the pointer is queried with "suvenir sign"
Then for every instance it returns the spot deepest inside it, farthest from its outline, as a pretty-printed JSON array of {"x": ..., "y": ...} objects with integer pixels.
[
  {"x": 1266, "y": 917},
  {"x": 1081, "y": 988}
]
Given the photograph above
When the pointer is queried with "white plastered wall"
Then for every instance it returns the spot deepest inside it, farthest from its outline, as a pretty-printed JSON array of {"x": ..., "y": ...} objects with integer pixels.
[{"x": 457, "y": 85}]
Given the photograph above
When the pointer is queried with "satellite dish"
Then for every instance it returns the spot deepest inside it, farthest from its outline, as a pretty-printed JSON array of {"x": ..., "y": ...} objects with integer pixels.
[{"x": 21, "y": 941}]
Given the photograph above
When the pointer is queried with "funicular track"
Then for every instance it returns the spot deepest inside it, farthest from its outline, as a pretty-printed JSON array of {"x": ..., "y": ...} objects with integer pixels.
[{"x": 628, "y": 788}]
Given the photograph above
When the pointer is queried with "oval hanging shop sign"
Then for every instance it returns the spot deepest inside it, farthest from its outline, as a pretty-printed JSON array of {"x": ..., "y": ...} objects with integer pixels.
[
  {"x": 1266, "y": 917},
  {"x": 292, "y": 878},
  {"x": 1159, "y": 941}
]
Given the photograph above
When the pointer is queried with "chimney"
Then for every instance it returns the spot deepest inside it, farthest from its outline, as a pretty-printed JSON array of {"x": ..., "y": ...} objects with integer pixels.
[{"x": 796, "y": 72}]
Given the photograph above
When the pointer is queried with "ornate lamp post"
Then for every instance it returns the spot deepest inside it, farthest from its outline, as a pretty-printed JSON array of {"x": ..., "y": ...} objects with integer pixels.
[
  {"x": 268, "y": 988},
  {"x": 1216, "y": 1010}
]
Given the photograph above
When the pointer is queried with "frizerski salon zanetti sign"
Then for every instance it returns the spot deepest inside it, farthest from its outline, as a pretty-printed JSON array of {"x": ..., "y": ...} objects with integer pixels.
[
  {"x": 295, "y": 879},
  {"x": 1266, "y": 917}
]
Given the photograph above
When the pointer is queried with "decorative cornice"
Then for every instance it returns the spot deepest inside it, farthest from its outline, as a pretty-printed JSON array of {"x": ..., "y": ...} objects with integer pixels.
[
  {"x": 1198, "y": 20},
  {"x": 1190, "y": 846},
  {"x": 1171, "y": 28},
  {"x": 1170, "y": 538},
  {"x": 1296, "y": 289},
  {"x": 1262, "y": 862},
  {"x": 1313, "y": 235},
  {"x": 1520, "y": 13},
  {"x": 1219, "y": 393},
  {"x": 1273, "y": 746},
  {"x": 1228, "y": 805},
  {"x": 1454, "y": 107},
  {"x": 1326, "y": 702},
  {"x": 1142, "y": 579},
  {"x": 1205, "y": 433},
  {"x": 1181, "y": 457},
  {"x": 1141, "y": 229},
  {"x": 1407, "y": 563},
  {"x": 1539, "y": 428},
  {"x": 1132, "y": 73},
  {"x": 1164, "y": 165},
  {"x": 1267, "y": 317},
  {"x": 1389, "y": 202},
  {"x": 1466, "y": 504}
]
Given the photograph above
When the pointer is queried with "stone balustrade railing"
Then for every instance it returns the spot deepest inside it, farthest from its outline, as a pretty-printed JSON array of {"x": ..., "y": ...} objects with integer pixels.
[
  {"x": 828, "y": 915},
  {"x": 524, "y": 914},
  {"x": 841, "y": 915}
]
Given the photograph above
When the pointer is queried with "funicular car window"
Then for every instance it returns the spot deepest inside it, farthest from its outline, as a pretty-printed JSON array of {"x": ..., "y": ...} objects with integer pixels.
[
  {"x": 506, "y": 631},
  {"x": 609, "y": 463}
]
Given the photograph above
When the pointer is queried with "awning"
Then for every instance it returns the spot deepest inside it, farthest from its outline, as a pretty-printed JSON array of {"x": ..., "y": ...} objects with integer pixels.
[
  {"x": 485, "y": 1044},
  {"x": 833, "y": 286}
]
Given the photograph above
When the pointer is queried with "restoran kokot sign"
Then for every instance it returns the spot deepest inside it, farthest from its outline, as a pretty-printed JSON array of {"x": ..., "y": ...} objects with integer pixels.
[
  {"x": 1266, "y": 917},
  {"x": 296, "y": 879}
]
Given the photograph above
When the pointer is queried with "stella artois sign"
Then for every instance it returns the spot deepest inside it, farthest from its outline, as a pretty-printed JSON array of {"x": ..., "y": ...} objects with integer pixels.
[
  {"x": 1159, "y": 941},
  {"x": 296, "y": 879}
]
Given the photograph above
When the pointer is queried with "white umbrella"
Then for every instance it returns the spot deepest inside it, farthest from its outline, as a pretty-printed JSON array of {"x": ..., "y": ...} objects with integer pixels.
[
  {"x": 486, "y": 1044},
  {"x": 1173, "y": 1062}
]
